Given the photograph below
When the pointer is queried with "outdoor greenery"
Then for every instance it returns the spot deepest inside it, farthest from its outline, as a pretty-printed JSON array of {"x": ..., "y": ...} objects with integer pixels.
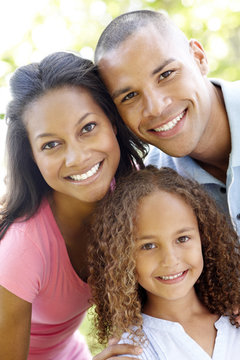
[{"x": 36, "y": 28}]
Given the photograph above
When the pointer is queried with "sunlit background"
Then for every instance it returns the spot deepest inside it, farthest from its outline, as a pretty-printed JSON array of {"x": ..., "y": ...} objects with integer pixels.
[{"x": 31, "y": 29}]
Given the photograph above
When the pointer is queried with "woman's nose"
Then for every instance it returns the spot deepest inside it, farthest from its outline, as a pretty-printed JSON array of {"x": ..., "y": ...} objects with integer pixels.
[{"x": 76, "y": 155}]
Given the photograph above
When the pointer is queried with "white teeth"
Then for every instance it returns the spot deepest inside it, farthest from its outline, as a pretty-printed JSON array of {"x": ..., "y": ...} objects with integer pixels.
[
  {"x": 170, "y": 125},
  {"x": 85, "y": 176},
  {"x": 171, "y": 277}
]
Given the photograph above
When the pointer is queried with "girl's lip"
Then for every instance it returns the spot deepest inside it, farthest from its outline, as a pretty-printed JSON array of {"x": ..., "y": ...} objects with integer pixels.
[{"x": 172, "y": 279}]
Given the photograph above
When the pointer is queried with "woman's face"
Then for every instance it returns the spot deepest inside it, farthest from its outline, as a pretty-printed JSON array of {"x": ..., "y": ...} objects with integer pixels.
[{"x": 73, "y": 142}]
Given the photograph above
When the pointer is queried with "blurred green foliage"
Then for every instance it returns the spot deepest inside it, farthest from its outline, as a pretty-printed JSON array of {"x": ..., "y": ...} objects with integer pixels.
[
  {"x": 87, "y": 330},
  {"x": 76, "y": 25}
]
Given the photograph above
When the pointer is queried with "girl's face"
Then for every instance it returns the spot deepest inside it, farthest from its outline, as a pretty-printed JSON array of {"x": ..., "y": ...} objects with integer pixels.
[
  {"x": 73, "y": 144},
  {"x": 169, "y": 256}
]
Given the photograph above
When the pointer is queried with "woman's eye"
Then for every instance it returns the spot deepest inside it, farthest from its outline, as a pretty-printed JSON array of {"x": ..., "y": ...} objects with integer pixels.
[
  {"x": 50, "y": 145},
  {"x": 148, "y": 246},
  {"x": 89, "y": 127},
  {"x": 183, "y": 239},
  {"x": 165, "y": 74},
  {"x": 129, "y": 96}
]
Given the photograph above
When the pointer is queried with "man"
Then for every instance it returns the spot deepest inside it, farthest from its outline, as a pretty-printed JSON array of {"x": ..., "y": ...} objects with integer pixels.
[{"x": 158, "y": 81}]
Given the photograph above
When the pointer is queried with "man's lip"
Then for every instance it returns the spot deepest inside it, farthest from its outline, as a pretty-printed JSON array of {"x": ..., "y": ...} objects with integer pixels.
[{"x": 176, "y": 118}]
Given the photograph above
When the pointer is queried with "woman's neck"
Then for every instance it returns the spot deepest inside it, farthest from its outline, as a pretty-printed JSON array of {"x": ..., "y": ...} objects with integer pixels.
[
  {"x": 71, "y": 215},
  {"x": 73, "y": 219}
]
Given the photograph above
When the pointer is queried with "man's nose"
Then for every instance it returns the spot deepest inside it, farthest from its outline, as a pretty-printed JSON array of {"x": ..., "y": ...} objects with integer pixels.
[{"x": 156, "y": 100}]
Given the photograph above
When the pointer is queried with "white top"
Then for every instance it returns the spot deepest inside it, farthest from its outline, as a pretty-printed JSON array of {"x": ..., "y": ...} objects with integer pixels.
[{"x": 168, "y": 340}]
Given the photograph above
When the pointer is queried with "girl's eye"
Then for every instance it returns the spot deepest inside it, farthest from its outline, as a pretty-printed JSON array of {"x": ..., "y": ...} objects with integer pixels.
[
  {"x": 183, "y": 239},
  {"x": 50, "y": 145},
  {"x": 165, "y": 74},
  {"x": 89, "y": 127},
  {"x": 129, "y": 96},
  {"x": 148, "y": 246}
]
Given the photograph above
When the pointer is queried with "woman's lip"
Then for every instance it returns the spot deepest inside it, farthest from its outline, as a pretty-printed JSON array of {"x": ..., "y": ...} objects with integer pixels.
[{"x": 83, "y": 180}]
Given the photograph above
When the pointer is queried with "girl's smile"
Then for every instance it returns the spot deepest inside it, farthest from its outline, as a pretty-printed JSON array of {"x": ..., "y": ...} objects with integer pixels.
[{"x": 168, "y": 250}]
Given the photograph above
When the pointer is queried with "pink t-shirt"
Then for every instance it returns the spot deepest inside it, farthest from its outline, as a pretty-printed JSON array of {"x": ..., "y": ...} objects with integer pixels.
[{"x": 35, "y": 266}]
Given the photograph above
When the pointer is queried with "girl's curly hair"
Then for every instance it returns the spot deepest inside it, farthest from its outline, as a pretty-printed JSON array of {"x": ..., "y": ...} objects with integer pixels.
[{"x": 116, "y": 294}]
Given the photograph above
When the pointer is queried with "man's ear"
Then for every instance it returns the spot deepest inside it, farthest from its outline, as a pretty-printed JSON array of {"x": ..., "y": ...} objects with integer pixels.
[{"x": 196, "y": 49}]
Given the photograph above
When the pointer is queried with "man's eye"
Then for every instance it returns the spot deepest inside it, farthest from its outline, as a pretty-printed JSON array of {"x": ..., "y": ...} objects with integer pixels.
[
  {"x": 129, "y": 96},
  {"x": 183, "y": 239},
  {"x": 165, "y": 74},
  {"x": 148, "y": 246},
  {"x": 89, "y": 127},
  {"x": 50, "y": 145}
]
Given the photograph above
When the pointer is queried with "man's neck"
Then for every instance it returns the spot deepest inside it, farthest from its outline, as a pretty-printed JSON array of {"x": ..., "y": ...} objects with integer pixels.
[{"x": 213, "y": 153}]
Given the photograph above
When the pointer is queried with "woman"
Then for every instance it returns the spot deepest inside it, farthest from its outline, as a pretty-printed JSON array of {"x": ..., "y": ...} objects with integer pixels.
[{"x": 65, "y": 144}]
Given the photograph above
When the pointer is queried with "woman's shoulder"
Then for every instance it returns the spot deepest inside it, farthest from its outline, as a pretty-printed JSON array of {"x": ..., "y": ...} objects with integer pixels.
[
  {"x": 32, "y": 236},
  {"x": 42, "y": 218}
]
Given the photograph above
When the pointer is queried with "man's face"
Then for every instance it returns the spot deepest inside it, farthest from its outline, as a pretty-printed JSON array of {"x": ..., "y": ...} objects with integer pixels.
[{"x": 159, "y": 86}]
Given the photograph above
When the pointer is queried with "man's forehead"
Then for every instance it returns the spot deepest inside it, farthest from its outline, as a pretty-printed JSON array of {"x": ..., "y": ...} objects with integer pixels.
[{"x": 143, "y": 39}]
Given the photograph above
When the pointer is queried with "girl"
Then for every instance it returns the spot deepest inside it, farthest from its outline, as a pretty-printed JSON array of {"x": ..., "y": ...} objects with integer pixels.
[
  {"x": 165, "y": 268},
  {"x": 65, "y": 143}
]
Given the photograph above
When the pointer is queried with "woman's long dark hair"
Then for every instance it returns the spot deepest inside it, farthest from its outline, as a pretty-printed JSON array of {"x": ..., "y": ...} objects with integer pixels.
[{"x": 25, "y": 184}]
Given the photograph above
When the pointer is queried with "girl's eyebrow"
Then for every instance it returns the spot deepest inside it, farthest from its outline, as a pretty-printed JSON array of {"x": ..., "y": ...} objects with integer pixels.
[
  {"x": 145, "y": 237},
  {"x": 187, "y": 228},
  {"x": 179, "y": 232}
]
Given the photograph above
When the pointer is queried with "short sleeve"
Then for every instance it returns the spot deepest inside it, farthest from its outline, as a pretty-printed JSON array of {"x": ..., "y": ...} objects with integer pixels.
[{"x": 21, "y": 264}]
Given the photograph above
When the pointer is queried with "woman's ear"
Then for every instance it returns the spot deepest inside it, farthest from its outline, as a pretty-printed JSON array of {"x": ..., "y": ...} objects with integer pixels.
[{"x": 196, "y": 49}]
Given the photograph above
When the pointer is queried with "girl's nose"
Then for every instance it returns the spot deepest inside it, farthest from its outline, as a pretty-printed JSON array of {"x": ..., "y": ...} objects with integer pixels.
[{"x": 169, "y": 257}]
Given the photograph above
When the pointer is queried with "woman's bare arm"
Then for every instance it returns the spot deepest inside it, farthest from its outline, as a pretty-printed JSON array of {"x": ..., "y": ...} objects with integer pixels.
[
  {"x": 114, "y": 349},
  {"x": 15, "y": 324}
]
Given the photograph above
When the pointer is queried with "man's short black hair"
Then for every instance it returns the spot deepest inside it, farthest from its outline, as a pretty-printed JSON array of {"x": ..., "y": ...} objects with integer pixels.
[{"x": 125, "y": 25}]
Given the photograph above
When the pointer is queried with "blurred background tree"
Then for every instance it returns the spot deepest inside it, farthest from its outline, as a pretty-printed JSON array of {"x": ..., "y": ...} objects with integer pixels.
[{"x": 31, "y": 29}]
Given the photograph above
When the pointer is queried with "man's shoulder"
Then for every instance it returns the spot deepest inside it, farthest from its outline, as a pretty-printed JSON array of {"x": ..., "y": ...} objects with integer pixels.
[{"x": 230, "y": 89}]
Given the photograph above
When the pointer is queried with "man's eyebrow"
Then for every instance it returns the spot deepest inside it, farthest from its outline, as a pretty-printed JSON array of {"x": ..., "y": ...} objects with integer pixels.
[
  {"x": 159, "y": 68},
  {"x": 118, "y": 92}
]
